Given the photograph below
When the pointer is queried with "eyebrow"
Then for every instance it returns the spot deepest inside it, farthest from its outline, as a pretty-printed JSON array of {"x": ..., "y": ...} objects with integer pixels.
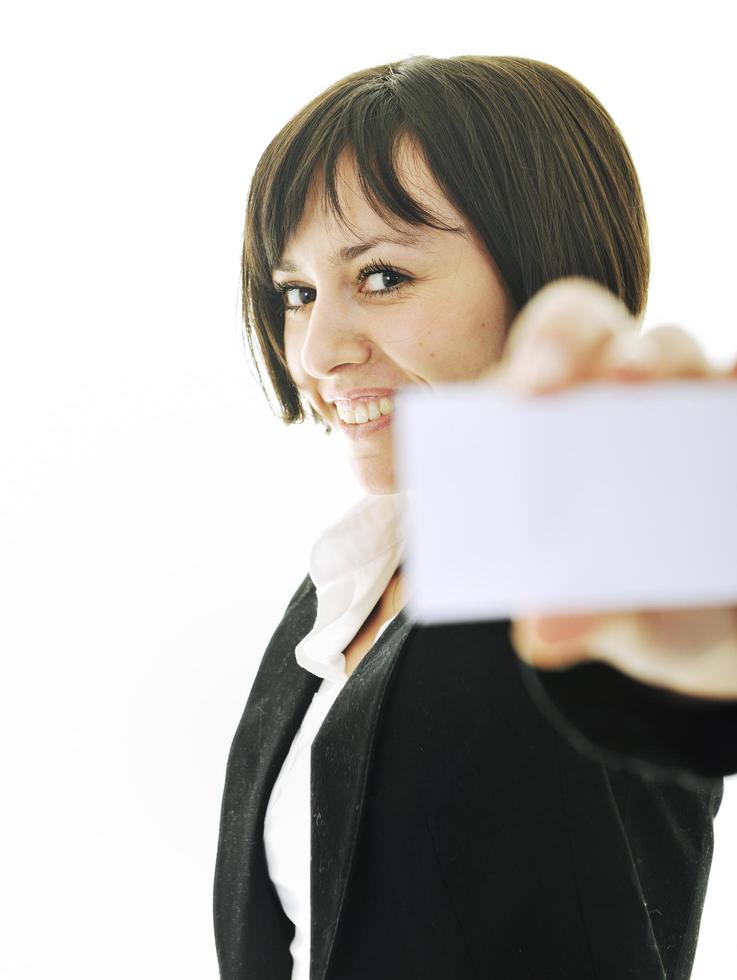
[{"x": 350, "y": 252}]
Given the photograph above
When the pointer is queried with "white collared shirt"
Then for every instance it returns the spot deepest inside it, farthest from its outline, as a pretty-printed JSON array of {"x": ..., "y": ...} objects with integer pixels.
[{"x": 351, "y": 564}]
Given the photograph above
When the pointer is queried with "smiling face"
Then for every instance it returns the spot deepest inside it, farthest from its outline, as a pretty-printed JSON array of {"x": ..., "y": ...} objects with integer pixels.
[{"x": 443, "y": 316}]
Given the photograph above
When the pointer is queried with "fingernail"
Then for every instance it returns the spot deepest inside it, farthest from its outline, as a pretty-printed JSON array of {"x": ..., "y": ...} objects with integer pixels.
[{"x": 543, "y": 366}]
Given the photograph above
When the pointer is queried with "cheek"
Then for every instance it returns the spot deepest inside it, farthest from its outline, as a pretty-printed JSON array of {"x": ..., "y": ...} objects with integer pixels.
[
  {"x": 421, "y": 335},
  {"x": 293, "y": 352}
]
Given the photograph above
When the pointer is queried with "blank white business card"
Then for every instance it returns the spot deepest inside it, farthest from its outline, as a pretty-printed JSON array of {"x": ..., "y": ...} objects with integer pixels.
[{"x": 602, "y": 497}]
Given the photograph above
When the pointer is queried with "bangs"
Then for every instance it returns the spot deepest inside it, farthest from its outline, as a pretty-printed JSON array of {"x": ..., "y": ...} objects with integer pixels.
[{"x": 378, "y": 146}]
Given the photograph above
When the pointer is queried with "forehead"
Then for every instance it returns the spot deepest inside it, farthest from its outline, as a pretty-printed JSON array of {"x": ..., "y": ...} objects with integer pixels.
[{"x": 364, "y": 228}]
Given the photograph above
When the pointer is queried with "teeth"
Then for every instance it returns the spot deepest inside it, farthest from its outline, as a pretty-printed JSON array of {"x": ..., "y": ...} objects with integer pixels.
[{"x": 365, "y": 411}]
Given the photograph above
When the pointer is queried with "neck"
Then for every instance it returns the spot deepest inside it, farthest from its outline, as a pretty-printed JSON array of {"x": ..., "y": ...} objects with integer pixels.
[{"x": 395, "y": 592}]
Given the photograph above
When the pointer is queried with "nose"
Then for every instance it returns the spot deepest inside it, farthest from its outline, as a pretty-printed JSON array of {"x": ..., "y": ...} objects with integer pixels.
[{"x": 333, "y": 337}]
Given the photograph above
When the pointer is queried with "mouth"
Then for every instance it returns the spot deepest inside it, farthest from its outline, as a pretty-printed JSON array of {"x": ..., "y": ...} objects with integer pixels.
[
  {"x": 360, "y": 430},
  {"x": 361, "y": 411},
  {"x": 368, "y": 408}
]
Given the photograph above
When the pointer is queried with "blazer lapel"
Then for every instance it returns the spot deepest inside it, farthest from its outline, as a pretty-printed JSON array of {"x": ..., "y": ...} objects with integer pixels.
[
  {"x": 341, "y": 756},
  {"x": 251, "y": 930}
]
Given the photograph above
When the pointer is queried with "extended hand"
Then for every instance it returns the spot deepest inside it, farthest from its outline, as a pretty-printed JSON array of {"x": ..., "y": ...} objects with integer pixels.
[{"x": 575, "y": 331}]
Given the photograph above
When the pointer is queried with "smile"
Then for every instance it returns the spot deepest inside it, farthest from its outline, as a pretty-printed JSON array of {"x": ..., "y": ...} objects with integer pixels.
[
  {"x": 361, "y": 413},
  {"x": 362, "y": 430}
]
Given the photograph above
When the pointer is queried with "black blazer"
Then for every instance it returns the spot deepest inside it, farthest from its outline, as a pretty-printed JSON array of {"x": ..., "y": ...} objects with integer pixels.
[{"x": 461, "y": 827}]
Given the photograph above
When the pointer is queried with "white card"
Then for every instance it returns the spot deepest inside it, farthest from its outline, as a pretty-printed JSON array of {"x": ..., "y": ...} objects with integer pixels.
[{"x": 606, "y": 496}]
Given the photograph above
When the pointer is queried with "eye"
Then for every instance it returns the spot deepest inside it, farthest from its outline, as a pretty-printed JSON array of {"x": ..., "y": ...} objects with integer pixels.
[{"x": 376, "y": 267}]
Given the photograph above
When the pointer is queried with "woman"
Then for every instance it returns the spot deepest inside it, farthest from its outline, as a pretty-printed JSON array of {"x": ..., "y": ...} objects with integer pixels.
[{"x": 407, "y": 801}]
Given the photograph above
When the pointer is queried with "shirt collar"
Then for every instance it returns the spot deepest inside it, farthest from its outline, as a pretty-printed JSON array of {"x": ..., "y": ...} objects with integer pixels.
[{"x": 351, "y": 564}]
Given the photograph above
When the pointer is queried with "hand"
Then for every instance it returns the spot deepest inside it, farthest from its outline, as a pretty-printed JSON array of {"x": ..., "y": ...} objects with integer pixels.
[{"x": 571, "y": 332}]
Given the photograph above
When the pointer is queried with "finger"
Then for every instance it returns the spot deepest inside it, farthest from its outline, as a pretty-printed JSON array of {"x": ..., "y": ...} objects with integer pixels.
[
  {"x": 556, "y": 337},
  {"x": 554, "y": 642},
  {"x": 664, "y": 351},
  {"x": 691, "y": 650},
  {"x": 562, "y": 629}
]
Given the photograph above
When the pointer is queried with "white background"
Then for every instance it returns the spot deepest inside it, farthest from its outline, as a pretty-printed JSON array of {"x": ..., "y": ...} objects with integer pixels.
[{"x": 155, "y": 516}]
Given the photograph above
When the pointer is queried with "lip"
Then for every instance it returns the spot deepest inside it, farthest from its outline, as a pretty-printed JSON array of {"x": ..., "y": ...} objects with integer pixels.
[{"x": 363, "y": 429}]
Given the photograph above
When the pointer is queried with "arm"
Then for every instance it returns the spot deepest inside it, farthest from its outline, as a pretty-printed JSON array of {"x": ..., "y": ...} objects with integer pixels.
[
  {"x": 657, "y": 688},
  {"x": 637, "y": 725}
]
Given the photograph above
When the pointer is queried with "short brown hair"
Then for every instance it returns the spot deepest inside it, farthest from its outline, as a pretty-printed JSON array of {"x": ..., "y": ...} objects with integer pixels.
[{"x": 522, "y": 149}]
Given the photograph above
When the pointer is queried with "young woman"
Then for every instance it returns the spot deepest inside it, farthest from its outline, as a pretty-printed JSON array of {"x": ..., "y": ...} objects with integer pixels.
[{"x": 408, "y": 801}]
